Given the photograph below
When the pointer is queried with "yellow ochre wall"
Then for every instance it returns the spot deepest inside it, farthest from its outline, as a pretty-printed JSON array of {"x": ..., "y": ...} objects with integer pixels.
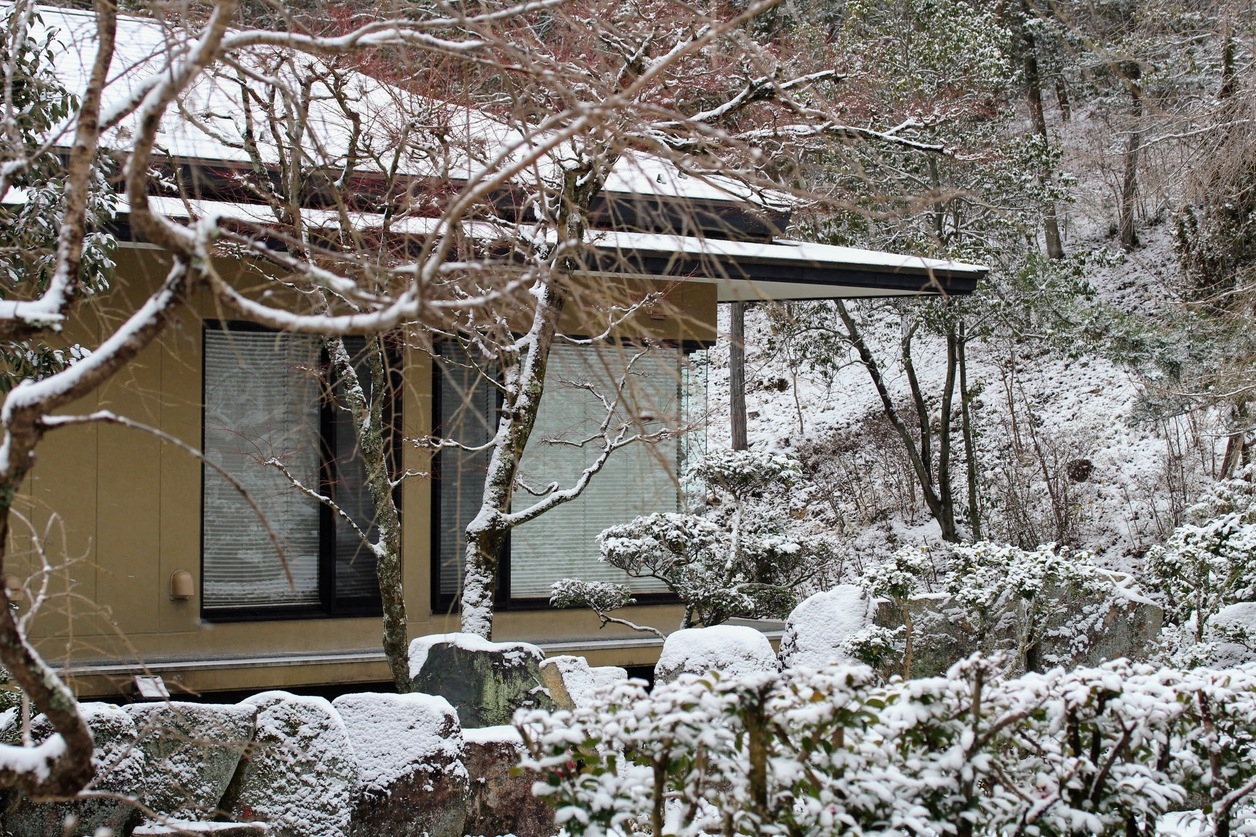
[{"x": 118, "y": 511}]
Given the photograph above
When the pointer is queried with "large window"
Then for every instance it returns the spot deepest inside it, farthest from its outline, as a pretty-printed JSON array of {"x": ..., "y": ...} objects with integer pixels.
[
  {"x": 651, "y": 390},
  {"x": 271, "y": 420}
]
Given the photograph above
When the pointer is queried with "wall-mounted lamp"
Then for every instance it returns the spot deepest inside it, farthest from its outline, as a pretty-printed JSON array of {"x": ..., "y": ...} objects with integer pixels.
[
  {"x": 182, "y": 587},
  {"x": 13, "y": 587}
]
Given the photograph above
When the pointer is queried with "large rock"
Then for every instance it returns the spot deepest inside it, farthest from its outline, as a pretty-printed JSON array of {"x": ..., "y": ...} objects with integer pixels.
[
  {"x": 732, "y": 650},
  {"x": 502, "y": 801},
  {"x": 192, "y": 751},
  {"x": 410, "y": 758},
  {"x": 1080, "y": 630},
  {"x": 572, "y": 682},
  {"x": 300, "y": 774},
  {"x": 485, "y": 681},
  {"x": 1232, "y": 632},
  {"x": 120, "y": 767},
  {"x": 817, "y": 629},
  {"x": 938, "y": 639},
  {"x": 1088, "y": 630}
]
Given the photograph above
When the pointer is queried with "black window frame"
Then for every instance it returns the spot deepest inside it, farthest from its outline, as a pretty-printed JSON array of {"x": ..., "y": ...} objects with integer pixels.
[{"x": 330, "y": 606}]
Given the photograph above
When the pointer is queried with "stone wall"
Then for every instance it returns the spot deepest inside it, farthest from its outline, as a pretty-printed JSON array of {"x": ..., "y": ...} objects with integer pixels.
[{"x": 291, "y": 766}]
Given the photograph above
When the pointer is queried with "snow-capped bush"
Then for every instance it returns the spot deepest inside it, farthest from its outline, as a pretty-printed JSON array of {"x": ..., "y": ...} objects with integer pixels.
[
  {"x": 725, "y": 563},
  {"x": 1209, "y": 562},
  {"x": 1042, "y": 607},
  {"x": 1106, "y": 750},
  {"x": 897, "y": 580},
  {"x": 999, "y": 588}
]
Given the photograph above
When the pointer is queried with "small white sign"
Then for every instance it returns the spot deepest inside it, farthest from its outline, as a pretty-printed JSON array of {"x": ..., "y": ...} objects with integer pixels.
[{"x": 151, "y": 687}]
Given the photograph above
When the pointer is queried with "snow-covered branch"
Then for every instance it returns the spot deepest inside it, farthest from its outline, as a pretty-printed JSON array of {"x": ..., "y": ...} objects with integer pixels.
[{"x": 323, "y": 499}]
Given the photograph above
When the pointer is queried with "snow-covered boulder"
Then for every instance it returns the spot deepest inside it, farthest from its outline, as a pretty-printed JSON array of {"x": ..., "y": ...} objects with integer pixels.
[
  {"x": 502, "y": 803},
  {"x": 572, "y": 682},
  {"x": 410, "y": 758},
  {"x": 485, "y": 681},
  {"x": 1232, "y": 631},
  {"x": 732, "y": 650},
  {"x": 120, "y": 767},
  {"x": 192, "y": 751},
  {"x": 816, "y": 630},
  {"x": 1080, "y": 630},
  {"x": 300, "y": 775}
]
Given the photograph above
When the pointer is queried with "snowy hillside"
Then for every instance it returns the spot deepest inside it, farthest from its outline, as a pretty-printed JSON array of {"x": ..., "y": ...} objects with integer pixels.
[{"x": 1036, "y": 413}]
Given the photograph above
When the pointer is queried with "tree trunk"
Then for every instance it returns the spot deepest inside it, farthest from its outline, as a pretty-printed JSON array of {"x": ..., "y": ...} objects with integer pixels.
[
  {"x": 1061, "y": 98},
  {"x": 909, "y": 635},
  {"x": 524, "y": 384},
  {"x": 368, "y": 426},
  {"x": 1226, "y": 90},
  {"x": 1033, "y": 92},
  {"x": 922, "y": 469},
  {"x": 946, "y": 492},
  {"x": 1129, "y": 182},
  {"x": 966, "y": 428},
  {"x": 737, "y": 374},
  {"x": 486, "y": 534},
  {"x": 1236, "y": 447}
]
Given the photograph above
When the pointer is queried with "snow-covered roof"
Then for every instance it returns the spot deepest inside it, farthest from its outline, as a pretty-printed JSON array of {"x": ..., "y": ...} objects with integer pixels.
[
  {"x": 211, "y": 118},
  {"x": 783, "y": 269},
  {"x": 212, "y": 110}
]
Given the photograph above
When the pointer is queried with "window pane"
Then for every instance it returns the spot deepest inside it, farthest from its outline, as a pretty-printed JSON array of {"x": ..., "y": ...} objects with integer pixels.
[
  {"x": 356, "y": 564},
  {"x": 638, "y": 479},
  {"x": 468, "y": 412},
  {"x": 261, "y": 405}
]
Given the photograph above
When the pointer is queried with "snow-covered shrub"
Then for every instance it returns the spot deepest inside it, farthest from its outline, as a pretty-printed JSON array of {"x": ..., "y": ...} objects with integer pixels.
[
  {"x": 1042, "y": 607},
  {"x": 875, "y": 646},
  {"x": 725, "y": 563},
  {"x": 1106, "y": 750},
  {"x": 1001, "y": 591},
  {"x": 897, "y": 580},
  {"x": 1209, "y": 561}
]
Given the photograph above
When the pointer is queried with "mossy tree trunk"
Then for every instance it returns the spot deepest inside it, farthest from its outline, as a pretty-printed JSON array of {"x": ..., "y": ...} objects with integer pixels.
[{"x": 374, "y": 442}]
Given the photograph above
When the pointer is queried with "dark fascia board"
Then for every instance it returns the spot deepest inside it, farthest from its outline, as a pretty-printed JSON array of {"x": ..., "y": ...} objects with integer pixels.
[
  {"x": 751, "y": 277},
  {"x": 757, "y": 270}
]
